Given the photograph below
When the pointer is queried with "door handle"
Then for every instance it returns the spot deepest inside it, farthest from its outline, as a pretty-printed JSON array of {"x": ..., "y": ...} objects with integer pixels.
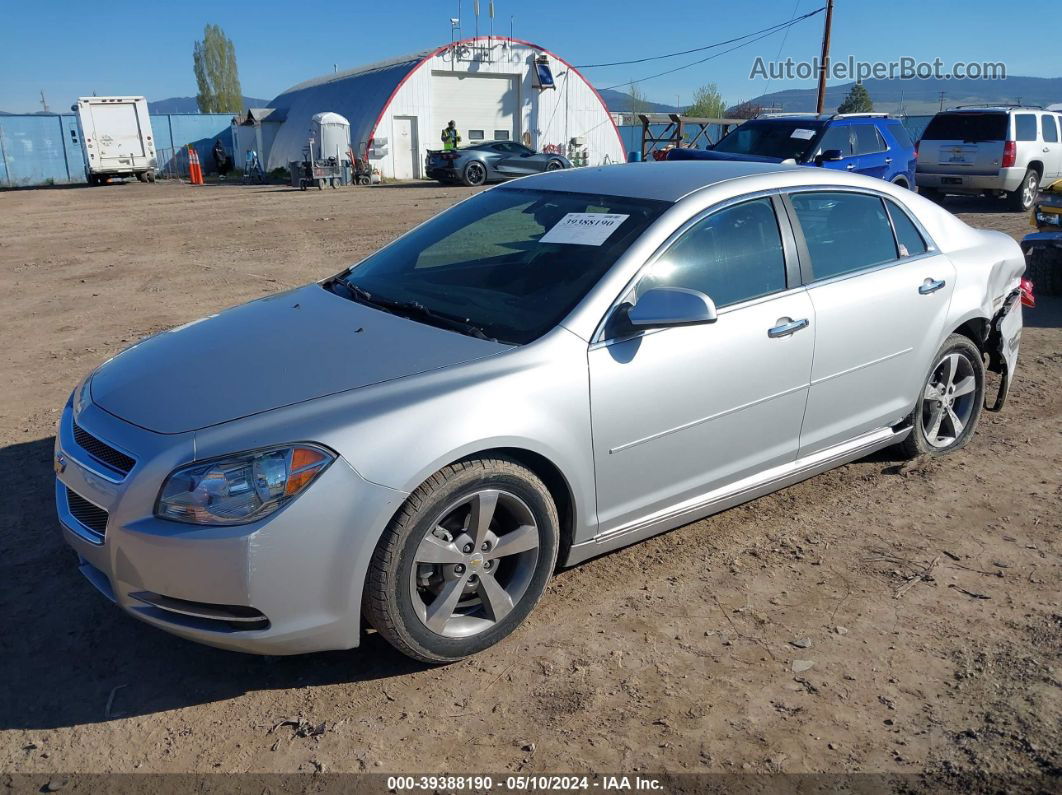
[
  {"x": 888, "y": 161},
  {"x": 931, "y": 286},
  {"x": 784, "y": 329},
  {"x": 850, "y": 166}
]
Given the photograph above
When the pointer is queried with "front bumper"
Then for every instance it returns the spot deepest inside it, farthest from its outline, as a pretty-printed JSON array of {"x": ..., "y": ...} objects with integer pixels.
[
  {"x": 288, "y": 584},
  {"x": 1005, "y": 179}
]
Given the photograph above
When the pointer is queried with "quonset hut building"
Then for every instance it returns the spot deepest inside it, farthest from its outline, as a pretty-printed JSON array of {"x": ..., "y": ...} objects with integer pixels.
[{"x": 493, "y": 87}]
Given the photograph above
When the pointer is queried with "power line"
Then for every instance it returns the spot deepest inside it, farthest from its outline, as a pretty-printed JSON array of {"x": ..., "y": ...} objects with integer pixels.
[
  {"x": 778, "y": 57},
  {"x": 768, "y": 30},
  {"x": 694, "y": 63}
]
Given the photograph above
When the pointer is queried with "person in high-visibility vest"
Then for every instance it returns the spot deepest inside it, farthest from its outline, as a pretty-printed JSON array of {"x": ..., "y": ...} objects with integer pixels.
[{"x": 450, "y": 138}]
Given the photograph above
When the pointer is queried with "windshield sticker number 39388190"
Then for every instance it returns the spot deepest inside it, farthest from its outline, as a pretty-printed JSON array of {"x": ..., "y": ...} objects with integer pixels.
[{"x": 586, "y": 229}]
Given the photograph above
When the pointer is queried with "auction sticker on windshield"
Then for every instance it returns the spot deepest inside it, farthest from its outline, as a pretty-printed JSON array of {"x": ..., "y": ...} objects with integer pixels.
[
  {"x": 584, "y": 229},
  {"x": 800, "y": 132}
]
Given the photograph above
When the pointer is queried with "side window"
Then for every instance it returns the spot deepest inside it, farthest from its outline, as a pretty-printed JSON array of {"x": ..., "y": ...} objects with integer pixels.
[
  {"x": 838, "y": 136},
  {"x": 899, "y": 132},
  {"x": 868, "y": 139},
  {"x": 1050, "y": 129},
  {"x": 844, "y": 232},
  {"x": 908, "y": 237},
  {"x": 1024, "y": 126},
  {"x": 732, "y": 255}
]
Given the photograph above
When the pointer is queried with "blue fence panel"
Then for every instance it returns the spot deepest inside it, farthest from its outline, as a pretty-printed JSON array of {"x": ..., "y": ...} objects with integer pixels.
[
  {"x": 40, "y": 150},
  {"x": 33, "y": 150}
]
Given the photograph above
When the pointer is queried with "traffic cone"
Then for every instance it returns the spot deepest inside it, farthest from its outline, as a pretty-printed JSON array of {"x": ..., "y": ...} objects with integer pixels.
[{"x": 195, "y": 171}]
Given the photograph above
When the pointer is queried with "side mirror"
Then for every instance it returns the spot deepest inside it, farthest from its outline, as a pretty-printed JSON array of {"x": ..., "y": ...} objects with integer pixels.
[
  {"x": 663, "y": 307},
  {"x": 829, "y": 154}
]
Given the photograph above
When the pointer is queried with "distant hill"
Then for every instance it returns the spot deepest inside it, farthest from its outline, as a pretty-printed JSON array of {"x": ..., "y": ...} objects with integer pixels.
[
  {"x": 189, "y": 105},
  {"x": 620, "y": 102},
  {"x": 923, "y": 96}
]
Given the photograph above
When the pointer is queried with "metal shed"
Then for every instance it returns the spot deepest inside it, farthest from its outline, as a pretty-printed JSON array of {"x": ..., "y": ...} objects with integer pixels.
[{"x": 493, "y": 87}]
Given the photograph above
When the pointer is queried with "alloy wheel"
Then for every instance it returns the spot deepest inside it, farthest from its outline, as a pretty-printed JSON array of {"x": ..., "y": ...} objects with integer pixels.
[
  {"x": 948, "y": 401},
  {"x": 474, "y": 564},
  {"x": 475, "y": 174},
  {"x": 1028, "y": 191}
]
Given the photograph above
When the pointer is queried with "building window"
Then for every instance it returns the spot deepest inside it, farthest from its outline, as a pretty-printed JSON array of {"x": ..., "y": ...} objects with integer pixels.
[
  {"x": 475, "y": 135},
  {"x": 501, "y": 135}
]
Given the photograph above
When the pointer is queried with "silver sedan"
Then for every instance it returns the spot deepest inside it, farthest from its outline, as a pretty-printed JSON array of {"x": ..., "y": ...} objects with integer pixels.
[{"x": 547, "y": 371}]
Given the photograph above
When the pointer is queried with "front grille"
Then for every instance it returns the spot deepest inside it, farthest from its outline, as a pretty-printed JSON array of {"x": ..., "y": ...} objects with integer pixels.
[
  {"x": 91, "y": 516},
  {"x": 103, "y": 452}
]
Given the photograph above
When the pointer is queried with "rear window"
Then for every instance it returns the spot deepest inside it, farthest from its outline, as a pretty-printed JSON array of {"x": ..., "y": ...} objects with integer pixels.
[
  {"x": 1024, "y": 126},
  {"x": 972, "y": 127}
]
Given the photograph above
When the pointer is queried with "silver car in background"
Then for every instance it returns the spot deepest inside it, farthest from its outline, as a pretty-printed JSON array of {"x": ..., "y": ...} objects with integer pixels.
[
  {"x": 490, "y": 161},
  {"x": 547, "y": 371}
]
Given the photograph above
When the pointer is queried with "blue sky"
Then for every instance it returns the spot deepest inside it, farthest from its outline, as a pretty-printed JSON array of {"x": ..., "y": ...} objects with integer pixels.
[{"x": 126, "y": 47}]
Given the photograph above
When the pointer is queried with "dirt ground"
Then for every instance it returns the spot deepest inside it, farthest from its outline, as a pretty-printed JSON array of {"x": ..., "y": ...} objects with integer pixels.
[{"x": 765, "y": 639}]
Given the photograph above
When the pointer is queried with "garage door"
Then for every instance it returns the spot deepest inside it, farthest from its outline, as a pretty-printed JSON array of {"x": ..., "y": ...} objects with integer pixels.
[{"x": 484, "y": 107}]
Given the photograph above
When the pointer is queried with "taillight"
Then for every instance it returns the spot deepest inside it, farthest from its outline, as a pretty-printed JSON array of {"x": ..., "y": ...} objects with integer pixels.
[
  {"x": 1027, "y": 297},
  {"x": 1010, "y": 154}
]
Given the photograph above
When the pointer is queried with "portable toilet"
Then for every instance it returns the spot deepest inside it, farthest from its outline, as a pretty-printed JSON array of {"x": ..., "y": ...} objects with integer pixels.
[{"x": 331, "y": 133}]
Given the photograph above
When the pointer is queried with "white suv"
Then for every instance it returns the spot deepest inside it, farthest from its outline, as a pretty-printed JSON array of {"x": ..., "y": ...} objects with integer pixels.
[{"x": 1000, "y": 151}]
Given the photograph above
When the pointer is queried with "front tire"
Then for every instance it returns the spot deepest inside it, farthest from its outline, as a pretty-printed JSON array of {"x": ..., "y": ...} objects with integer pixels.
[
  {"x": 949, "y": 405},
  {"x": 464, "y": 561},
  {"x": 554, "y": 165}
]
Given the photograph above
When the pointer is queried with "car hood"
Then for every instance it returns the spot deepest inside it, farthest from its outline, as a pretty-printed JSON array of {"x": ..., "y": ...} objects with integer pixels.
[
  {"x": 708, "y": 154},
  {"x": 276, "y": 351}
]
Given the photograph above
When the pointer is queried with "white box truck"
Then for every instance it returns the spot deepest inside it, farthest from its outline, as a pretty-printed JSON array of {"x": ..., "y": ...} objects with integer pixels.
[{"x": 116, "y": 138}]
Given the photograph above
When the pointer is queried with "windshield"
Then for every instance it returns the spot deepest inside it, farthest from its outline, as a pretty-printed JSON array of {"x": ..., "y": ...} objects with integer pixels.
[
  {"x": 972, "y": 127},
  {"x": 779, "y": 138},
  {"x": 507, "y": 264}
]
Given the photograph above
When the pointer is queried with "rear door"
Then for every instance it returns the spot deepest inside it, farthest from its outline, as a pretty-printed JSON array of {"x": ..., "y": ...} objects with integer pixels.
[
  {"x": 871, "y": 151},
  {"x": 1052, "y": 147},
  {"x": 118, "y": 138},
  {"x": 964, "y": 142},
  {"x": 880, "y": 300}
]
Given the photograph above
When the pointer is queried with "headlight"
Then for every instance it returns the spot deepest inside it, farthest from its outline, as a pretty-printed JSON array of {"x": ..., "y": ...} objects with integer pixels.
[{"x": 243, "y": 487}]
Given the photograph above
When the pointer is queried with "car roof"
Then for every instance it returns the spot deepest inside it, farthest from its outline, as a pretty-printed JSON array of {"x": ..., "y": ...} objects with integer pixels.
[{"x": 663, "y": 181}]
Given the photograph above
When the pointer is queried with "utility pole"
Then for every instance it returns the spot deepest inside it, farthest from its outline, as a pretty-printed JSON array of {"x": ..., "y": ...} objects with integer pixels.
[
  {"x": 825, "y": 60},
  {"x": 44, "y": 102},
  {"x": 942, "y": 100}
]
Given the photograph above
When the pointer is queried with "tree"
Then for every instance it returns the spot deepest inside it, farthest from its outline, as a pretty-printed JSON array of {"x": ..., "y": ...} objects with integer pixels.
[
  {"x": 857, "y": 101},
  {"x": 745, "y": 110},
  {"x": 707, "y": 103},
  {"x": 639, "y": 103},
  {"x": 214, "y": 60}
]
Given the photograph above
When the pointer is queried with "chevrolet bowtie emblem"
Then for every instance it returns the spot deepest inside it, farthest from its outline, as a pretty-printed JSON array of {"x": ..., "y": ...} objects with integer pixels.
[{"x": 60, "y": 464}]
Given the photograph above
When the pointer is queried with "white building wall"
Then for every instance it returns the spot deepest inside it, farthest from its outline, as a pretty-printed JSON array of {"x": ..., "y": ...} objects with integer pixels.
[{"x": 551, "y": 117}]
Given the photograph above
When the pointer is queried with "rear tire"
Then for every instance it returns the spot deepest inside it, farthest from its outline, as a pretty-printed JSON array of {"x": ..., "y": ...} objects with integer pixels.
[
  {"x": 1023, "y": 197},
  {"x": 949, "y": 405},
  {"x": 464, "y": 560},
  {"x": 474, "y": 175},
  {"x": 1043, "y": 266}
]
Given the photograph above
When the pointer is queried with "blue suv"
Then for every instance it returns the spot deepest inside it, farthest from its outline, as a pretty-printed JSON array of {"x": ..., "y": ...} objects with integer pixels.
[{"x": 866, "y": 143}]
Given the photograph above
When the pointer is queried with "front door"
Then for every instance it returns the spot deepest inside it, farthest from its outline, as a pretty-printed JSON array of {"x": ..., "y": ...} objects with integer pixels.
[
  {"x": 881, "y": 299},
  {"x": 678, "y": 412},
  {"x": 405, "y": 157}
]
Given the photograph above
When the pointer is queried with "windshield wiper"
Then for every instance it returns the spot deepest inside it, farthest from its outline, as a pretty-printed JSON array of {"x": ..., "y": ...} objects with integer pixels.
[{"x": 411, "y": 310}]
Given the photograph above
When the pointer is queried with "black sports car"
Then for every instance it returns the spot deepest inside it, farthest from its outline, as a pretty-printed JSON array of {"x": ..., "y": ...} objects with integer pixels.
[{"x": 490, "y": 161}]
